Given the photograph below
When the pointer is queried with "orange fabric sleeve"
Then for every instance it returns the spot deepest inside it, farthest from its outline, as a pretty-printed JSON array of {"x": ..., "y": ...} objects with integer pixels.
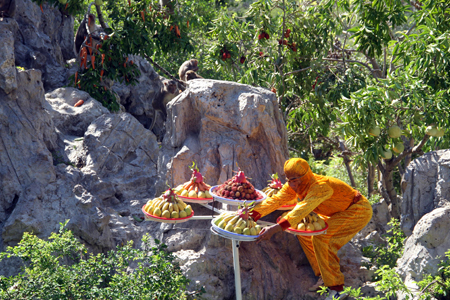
[
  {"x": 318, "y": 193},
  {"x": 270, "y": 204}
]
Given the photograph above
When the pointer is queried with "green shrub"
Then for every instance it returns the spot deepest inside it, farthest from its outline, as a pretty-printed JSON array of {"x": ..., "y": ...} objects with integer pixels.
[
  {"x": 437, "y": 286},
  {"x": 61, "y": 268},
  {"x": 383, "y": 255}
]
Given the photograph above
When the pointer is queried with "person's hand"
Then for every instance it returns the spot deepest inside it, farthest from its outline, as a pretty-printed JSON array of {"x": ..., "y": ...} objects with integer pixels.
[{"x": 267, "y": 232}]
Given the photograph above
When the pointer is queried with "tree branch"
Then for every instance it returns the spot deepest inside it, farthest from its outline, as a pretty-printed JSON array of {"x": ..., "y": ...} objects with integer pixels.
[
  {"x": 353, "y": 61},
  {"x": 100, "y": 17},
  {"x": 182, "y": 84},
  {"x": 346, "y": 162},
  {"x": 410, "y": 151},
  {"x": 381, "y": 167},
  {"x": 297, "y": 71},
  {"x": 430, "y": 284}
]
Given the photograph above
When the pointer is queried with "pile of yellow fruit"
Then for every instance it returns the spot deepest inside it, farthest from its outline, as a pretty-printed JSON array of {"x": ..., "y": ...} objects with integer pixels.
[
  {"x": 168, "y": 206},
  {"x": 311, "y": 222},
  {"x": 195, "y": 187}
]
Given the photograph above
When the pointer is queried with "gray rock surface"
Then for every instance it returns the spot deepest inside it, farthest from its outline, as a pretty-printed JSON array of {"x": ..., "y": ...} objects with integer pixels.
[
  {"x": 7, "y": 68},
  {"x": 72, "y": 120},
  {"x": 35, "y": 196},
  {"x": 425, "y": 217},
  {"x": 427, "y": 187},
  {"x": 120, "y": 157},
  {"x": 138, "y": 99},
  {"x": 26, "y": 136},
  {"x": 45, "y": 41}
]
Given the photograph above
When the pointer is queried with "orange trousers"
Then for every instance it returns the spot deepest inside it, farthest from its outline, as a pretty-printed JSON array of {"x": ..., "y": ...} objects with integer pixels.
[{"x": 321, "y": 250}]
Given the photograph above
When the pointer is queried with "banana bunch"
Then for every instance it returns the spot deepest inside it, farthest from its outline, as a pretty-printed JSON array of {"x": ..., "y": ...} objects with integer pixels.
[
  {"x": 274, "y": 186},
  {"x": 168, "y": 206},
  {"x": 270, "y": 191},
  {"x": 311, "y": 222},
  {"x": 232, "y": 222}
]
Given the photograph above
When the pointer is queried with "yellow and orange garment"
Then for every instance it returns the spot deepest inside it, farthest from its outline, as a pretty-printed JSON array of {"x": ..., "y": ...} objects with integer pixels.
[{"x": 344, "y": 209}]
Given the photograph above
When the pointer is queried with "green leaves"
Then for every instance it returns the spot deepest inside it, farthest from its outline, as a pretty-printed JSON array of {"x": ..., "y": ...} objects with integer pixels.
[{"x": 61, "y": 269}]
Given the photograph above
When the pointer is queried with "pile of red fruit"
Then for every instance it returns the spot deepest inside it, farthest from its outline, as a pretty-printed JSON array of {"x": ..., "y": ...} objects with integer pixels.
[{"x": 238, "y": 188}]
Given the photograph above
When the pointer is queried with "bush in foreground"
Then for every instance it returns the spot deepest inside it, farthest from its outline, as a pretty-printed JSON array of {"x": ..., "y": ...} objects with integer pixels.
[{"x": 61, "y": 268}]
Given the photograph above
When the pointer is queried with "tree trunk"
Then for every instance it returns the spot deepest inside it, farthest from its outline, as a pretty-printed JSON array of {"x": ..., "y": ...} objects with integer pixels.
[
  {"x": 346, "y": 162},
  {"x": 389, "y": 192},
  {"x": 370, "y": 179}
]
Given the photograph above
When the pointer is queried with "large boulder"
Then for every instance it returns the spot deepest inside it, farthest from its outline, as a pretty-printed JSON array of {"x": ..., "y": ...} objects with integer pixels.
[
  {"x": 425, "y": 216},
  {"x": 426, "y": 247},
  {"x": 35, "y": 196},
  {"x": 222, "y": 126},
  {"x": 426, "y": 185},
  {"x": 26, "y": 134}
]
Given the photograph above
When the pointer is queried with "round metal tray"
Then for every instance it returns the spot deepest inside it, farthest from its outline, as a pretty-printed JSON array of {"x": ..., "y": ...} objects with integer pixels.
[
  {"x": 195, "y": 200},
  {"x": 231, "y": 235},
  {"x": 235, "y": 202},
  {"x": 149, "y": 217}
]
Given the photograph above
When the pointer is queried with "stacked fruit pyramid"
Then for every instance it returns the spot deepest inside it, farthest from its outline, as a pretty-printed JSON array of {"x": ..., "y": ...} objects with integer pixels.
[
  {"x": 168, "y": 206},
  {"x": 195, "y": 187},
  {"x": 238, "y": 188},
  {"x": 311, "y": 222},
  {"x": 239, "y": 221}
]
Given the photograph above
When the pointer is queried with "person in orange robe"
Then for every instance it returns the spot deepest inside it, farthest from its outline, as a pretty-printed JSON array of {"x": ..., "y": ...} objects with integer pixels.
[{"x": 344, "y": 209}]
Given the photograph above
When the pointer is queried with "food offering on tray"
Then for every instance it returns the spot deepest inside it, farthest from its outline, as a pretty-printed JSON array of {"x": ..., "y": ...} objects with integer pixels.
[
  {"x": 274, "y": 187},
  {"x": 311, "y": 222},
  {"x": 239, "y": 221},
  {"x": 238, "y": 188},
  {"x": 168, "y": 206},
  {"x": 195, "y": 187}
]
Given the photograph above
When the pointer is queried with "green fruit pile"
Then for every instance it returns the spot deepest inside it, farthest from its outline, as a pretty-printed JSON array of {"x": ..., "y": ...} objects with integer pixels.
[
  {"x": 230, "y": 221},
  {"x": 168, "y": 206}
]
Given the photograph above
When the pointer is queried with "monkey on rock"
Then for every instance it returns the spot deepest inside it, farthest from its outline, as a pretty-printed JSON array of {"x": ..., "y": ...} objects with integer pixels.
[
  {"x": 191, "y": 64},
  {"x": 168, "y": 91}
]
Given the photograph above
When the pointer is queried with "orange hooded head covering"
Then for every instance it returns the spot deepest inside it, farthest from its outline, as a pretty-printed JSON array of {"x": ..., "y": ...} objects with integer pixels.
[{"x": 298, "y": 167}]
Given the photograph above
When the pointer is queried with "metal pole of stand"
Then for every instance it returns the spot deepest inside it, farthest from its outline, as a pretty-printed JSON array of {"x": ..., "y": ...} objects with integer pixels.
[{"x": 237, "y": 269}]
